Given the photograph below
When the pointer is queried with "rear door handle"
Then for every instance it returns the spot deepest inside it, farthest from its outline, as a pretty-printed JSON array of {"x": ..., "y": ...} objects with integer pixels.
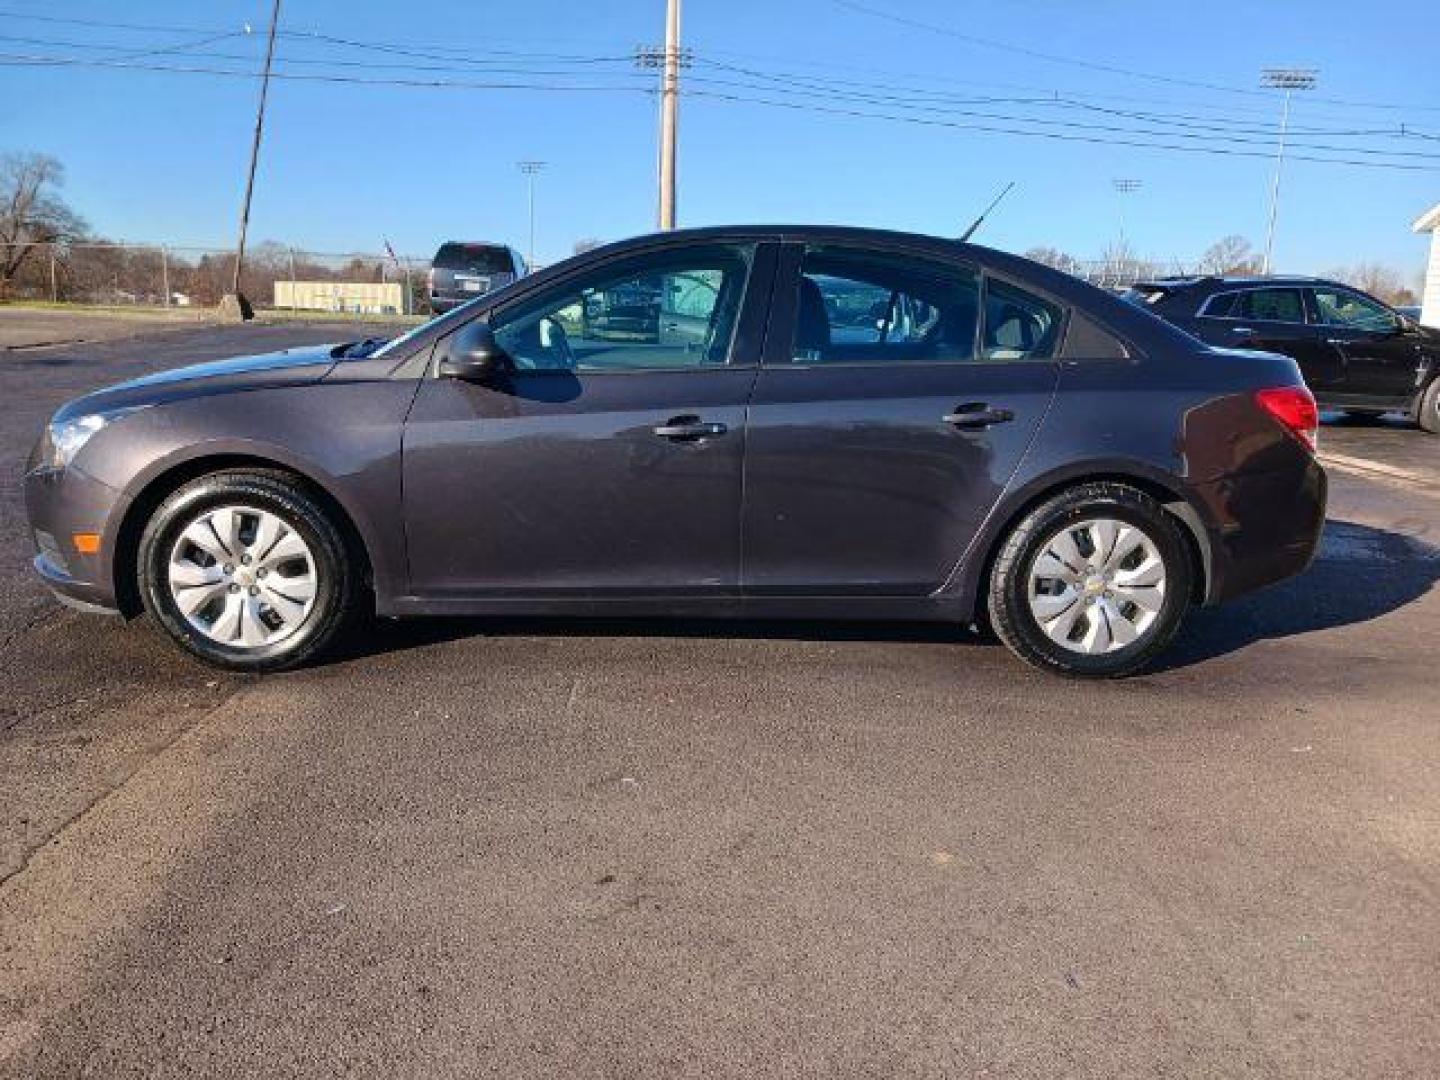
[
  {"x": 688, "y": 427},
  {"x": 1241, "y": 330},
  {"x": 974, "y": 415}
]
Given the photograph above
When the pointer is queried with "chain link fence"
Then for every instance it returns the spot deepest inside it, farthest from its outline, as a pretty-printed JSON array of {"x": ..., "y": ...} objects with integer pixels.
[
  {"x": 275, "y": 277},
  {"x": 1119, "y": 274},
  {"x": 281, "y": 278}
]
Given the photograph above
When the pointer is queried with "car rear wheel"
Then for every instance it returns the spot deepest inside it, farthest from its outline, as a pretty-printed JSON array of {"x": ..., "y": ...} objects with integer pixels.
[
  {"x": 247, "y": 571},
  {"x": 1092, "y": 583},
  {"x": 1429, "y": 413}
]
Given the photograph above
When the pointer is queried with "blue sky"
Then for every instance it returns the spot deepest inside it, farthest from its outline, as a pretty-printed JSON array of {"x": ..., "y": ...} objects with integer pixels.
[{"x": 158, "y": 156}]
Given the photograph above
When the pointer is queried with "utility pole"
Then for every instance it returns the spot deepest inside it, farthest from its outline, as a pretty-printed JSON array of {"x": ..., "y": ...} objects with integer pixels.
[
  {"x": 254, "y": 159},
  {"x": 531, "y": 169},
  {"x": 669, "y": 60},
  {"x": 669, "y": 110},
  {"x": 1289, "y": 80}
]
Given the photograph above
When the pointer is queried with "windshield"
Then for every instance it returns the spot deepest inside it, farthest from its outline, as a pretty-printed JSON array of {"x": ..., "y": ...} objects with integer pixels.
[{"x": 474, "y": 259}]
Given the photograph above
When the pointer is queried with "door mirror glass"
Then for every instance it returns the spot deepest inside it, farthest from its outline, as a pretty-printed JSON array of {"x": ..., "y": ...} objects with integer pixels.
[{"x": 472, "y": 354}]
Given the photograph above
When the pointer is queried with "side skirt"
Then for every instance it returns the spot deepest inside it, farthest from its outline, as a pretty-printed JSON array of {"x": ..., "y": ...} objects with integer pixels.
[{"x": 841, "y": 608}]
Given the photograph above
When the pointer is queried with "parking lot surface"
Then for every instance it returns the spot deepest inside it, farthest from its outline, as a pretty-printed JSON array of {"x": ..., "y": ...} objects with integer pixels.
[{"x": 528, "y": 848}]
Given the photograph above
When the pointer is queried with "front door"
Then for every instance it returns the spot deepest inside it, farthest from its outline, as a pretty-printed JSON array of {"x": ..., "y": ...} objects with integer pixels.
[
  {"x": 886, "y": 420},
  {"x": 606, "y": 460},
  {"x": 1379, "y": 354}
]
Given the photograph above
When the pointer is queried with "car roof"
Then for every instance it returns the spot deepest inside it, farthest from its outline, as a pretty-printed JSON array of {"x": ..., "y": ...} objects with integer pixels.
[
  {"x": 1226, "y": 281},
  {"x": 840, "y": 233}
]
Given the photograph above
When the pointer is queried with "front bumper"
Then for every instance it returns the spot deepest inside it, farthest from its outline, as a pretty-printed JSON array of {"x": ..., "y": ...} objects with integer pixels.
[{"x": 61, "y": 503}]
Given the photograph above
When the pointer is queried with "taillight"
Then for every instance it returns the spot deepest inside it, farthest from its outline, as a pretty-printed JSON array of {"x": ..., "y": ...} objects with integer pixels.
[{"x": 1294, "y": 407}]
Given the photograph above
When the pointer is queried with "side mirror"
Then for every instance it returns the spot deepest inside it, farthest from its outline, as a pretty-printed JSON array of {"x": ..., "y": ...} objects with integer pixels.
[{"x": 472, "y": 354}]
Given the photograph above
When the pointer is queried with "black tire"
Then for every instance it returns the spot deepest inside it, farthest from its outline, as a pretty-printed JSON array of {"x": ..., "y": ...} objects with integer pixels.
[
  {"x": 338, "y": 588},
  {"x": 1428, "y": 415},
  {"x": 1009, "y": 585}
]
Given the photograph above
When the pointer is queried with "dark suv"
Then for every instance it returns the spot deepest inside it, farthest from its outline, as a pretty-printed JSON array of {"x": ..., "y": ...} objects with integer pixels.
[
  {"x": 463, "y": 270},
  {"x": 841, "y": 423},
  {"x": 1356, "y": 353}
]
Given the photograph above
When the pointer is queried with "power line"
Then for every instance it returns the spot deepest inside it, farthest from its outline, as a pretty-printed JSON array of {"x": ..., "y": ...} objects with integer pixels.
[
  {"x": 890, "y": 100},
  {"x": 420, "y": 50},
  {"x": 1053, "y": 58},
  {"x": 1133, "y": 137},
  {"x": 1061, "y": 136}
]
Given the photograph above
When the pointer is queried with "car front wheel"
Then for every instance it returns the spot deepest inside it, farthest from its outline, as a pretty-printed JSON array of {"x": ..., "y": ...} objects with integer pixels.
[
  {"x": 1093, "y": 582},
  {"x": 247, "y": 571},
  {"x": 1429, "y": 414}
]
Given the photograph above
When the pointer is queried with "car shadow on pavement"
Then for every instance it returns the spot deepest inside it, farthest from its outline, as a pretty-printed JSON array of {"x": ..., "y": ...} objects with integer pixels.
[{"x": 1360, "y": 573}]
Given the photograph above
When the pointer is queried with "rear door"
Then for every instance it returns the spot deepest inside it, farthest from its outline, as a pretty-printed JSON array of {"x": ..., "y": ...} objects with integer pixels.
[
  {"x": 886, "y": 419},
  {"x": 1379, "y": 355}
]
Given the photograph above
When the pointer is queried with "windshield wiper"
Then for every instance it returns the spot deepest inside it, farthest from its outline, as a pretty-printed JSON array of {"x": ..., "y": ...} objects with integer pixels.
[{"x": 357, "y": 350}]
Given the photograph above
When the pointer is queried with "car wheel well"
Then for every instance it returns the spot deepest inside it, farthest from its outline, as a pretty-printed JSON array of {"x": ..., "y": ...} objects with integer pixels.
[
  {"x": 132, "y": 526},
  {"x": 1172, "y": 501}
]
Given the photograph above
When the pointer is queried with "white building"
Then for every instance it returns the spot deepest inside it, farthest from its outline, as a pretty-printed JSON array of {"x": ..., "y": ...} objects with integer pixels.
[{"x": 1430, "y": 302}]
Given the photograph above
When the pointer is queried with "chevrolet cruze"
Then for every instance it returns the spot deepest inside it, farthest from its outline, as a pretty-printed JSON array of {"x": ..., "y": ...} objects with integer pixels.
[{"x": 820, "y": 423}]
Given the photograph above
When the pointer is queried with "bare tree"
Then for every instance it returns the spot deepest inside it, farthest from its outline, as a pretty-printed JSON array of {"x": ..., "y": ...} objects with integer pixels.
[
  {"x": 31, "y": 213},
  {"x": 1050, "y": 256},
  {"x": 1123, "y": 266},
  {"x": 1377, "y": 279},
  {"x": 1232, "y": 255}
]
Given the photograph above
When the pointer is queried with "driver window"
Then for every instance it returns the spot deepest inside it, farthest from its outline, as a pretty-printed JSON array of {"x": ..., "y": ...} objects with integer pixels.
[
  {"x": 669, "y": 309},
  {"x": 1337, "y": 307}
]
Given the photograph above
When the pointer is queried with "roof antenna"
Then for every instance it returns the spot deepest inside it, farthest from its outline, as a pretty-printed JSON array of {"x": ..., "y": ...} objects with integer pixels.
[{"x": 986, "y": 212}]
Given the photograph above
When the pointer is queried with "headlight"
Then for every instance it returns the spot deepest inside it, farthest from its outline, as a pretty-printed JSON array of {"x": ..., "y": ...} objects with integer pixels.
[{"x": 64, "y": 438}]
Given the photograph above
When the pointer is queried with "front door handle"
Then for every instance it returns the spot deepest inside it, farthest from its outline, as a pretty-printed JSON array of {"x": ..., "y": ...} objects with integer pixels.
[
  {"x": 688, "y": 428},
  {"x": 1242, "y": 330},
  {"x": 975, "y": 415}
]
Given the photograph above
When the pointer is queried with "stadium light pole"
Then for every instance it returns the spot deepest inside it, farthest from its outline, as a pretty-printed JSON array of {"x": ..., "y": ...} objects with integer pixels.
[
  {"x": 1123, "y": 188},
  {"x": 1288, "y": 80},
  {"x": 531, "y": 169}
]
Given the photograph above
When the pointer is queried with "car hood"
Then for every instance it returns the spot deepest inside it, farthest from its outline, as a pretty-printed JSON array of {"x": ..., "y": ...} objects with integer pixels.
[{"x": 289, "y": 367}]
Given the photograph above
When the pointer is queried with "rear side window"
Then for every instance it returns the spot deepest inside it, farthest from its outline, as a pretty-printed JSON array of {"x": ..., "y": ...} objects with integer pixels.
[
  {"x": 861, "y": 307},
  {"x": 1018, "y": 324},
  {"x": 475, "y": 258},
  {"x": 1270, "y": 305},
  {"x": 1219, "y": 305}
]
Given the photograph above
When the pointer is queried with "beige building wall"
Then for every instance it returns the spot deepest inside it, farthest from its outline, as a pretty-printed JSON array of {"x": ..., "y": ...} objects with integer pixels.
[{"x": 362, "y": 297}]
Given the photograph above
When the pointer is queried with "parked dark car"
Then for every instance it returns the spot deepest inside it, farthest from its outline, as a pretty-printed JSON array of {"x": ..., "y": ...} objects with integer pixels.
[
  {"x": 463, "y": 270},
  {"x": 1356, "y": 353},
  {"x": 1001, "y": 440}
]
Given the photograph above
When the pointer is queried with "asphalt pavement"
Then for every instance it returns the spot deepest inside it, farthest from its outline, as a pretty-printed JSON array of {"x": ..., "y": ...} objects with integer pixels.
[{"x": 528, "y": 848}]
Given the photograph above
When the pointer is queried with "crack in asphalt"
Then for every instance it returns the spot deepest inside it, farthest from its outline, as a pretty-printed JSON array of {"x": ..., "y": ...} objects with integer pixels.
[{"x": 53, "y": 836}]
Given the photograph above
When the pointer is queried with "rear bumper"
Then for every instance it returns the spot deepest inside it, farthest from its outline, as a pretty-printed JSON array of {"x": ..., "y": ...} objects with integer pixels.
[
  {"x": 1262, "y": 527},
  {"x": 61, "y": 503}
]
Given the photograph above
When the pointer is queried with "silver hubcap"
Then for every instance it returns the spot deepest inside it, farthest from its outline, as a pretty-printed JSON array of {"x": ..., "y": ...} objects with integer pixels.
[
  {"x": 1097, "y": 586},
  {"x": 242, "y": 577}
]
